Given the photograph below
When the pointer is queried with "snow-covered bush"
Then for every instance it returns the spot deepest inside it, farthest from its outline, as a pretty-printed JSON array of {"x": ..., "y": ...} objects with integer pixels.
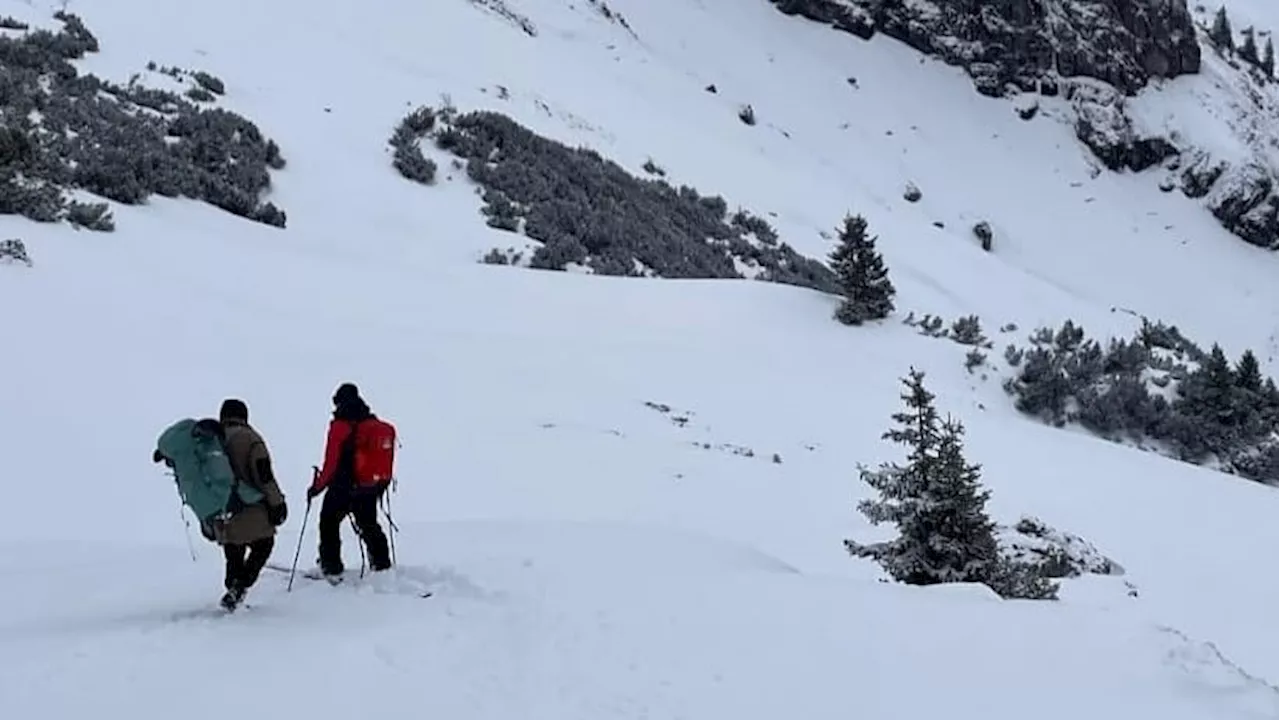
[
  {"x": 64, "y": 130},
  {"x": 1053, "y": 553},
  {"x": 209, "y": 82},
  {"x": 14, "y": 251},
  {"x": 653, "y": 168},
  {"x": 199, "y": 94},
  {"x": 1143, "y": 390},
  {"x": 407, "y": 157},
  {"x": 612, "y": 15},
  {"x": 32, "y": 198},
  {"x": 967, "y": 330},
  {"x": 1015, "y": 580},
  {"x": 584, "y": 210},
  {"x": 974, "y": 359},
  {"x": 498, "y": 257},
  {"x": 91, "y": 216},
  {"x": 964, "y": 330},
  {"x": 500, "y": 8}
]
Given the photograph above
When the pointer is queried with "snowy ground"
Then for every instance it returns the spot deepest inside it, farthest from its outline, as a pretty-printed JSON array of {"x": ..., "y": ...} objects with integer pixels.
[{"x": 589, "y": 558}]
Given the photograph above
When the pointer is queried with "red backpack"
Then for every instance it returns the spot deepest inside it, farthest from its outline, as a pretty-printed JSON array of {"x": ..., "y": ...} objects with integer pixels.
[{"x": 375, "y": 452}]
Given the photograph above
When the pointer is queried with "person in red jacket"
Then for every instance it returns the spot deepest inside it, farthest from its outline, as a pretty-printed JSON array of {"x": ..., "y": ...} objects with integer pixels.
[{"x": 349, "y": 492}]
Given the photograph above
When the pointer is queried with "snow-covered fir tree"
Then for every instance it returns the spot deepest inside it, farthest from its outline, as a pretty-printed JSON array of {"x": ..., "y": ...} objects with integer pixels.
[
  {"x": 1249, "y": 48},
  {"x": 935, "y": 500},
  {"x": 1220, "y": 32},
  {"x": 861, "y": 275},
  {"x": 939, "y": 507},
  {"x": 1268, "y": 63}
]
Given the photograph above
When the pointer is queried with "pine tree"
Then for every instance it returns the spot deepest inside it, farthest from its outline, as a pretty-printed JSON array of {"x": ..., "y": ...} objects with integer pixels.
[
  {"x": 1211, "y": 391},
  {"x": 861, "y": 275},
  {"x": 1268, "y": 62},
  {"x": 1249, "y": 48},
  {"x": 1205, "y": 408},
  {"x": 1248, "y": 375},
  {"x": 1250, "y": 404},
  {"x": 964, "y": 544},
  {"x": 1220, "y": 33},
  {"x": 1270, "y": 406},
  {"x": 935, "y": 500}
]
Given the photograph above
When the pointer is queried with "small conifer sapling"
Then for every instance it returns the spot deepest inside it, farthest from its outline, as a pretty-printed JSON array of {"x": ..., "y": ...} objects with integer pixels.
[
  {"x": 861, "y": 275},
  {"x": 935, "y": 500}
]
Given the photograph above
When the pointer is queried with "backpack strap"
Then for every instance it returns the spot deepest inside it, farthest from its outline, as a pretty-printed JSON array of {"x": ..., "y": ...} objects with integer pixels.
[
  {"x": 236, "y": 503},
  {"x": 349, "y": 454}
]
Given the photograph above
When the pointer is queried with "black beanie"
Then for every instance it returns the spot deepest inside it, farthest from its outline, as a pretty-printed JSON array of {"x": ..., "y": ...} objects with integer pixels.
[
  {"x": 347, "y": 394},
  {"x": 233, "y": 409}
]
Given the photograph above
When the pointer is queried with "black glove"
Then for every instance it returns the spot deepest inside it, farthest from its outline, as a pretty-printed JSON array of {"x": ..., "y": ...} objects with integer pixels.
[
  {"x": 277, "y": 514},
  {"x": 313, "y": 491},
  {"x": 156, "y": 456}
]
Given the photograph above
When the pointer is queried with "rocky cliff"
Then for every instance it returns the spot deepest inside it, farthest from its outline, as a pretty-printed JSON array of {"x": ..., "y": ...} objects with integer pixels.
[
  {"x": 1095, "y": 55},
  {"x": 1023, "y": 42}
]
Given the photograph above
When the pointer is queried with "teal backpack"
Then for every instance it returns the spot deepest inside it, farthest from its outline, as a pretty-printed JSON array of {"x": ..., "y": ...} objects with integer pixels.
[{"x": 206, "y": 482}]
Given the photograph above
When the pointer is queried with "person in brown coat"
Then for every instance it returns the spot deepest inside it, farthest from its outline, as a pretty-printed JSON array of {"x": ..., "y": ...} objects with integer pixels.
[{"x": 248, "y": 536}]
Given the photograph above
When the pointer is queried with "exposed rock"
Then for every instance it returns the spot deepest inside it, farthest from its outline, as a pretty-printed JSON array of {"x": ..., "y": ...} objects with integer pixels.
[
  {"x": 1200, "y": 175},
  {"x": 1098, "y": 53},
  {"x": 850, "y": 17},
  {"x": 912, "y": 193},
  {"x": 1245, "y": 202},
  {"x": 983, "y": 232},
  {"x": 1120, "y": 42},
  {"x": 1103, "y": 125}
]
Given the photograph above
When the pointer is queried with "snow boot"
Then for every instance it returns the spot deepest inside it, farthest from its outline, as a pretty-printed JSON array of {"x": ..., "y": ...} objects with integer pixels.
[{"x": 232, "y": 598}]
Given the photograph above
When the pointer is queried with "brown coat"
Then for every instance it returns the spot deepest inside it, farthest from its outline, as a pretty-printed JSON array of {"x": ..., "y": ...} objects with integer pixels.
[{"x": 245, "y": 450}]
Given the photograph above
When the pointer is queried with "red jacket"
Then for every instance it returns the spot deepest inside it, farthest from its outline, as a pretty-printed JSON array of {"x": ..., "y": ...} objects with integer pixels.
[{"x": 339, "y": 431}]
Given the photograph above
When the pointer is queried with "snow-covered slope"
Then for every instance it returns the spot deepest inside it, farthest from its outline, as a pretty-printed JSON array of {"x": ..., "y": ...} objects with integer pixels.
[{"x": 590, "y": 556}]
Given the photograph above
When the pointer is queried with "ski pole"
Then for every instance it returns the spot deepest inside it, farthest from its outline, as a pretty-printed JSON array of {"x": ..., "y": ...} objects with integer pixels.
[{"x": 296, "y": 553}]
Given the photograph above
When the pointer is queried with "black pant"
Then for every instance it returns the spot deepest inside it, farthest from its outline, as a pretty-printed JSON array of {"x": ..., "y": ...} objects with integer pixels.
[
  {"x": 363, "y": 508},
  {"x": 242, "y": 572}
]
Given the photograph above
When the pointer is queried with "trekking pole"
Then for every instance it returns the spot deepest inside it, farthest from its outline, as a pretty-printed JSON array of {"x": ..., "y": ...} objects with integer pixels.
[
  {"x": 191, "y": 548},
  {"x": 293, "y": 569},
  {"x": 182, "y": 513},
  {"x": 359, "y": 536},
  {"x": 391, "y": 524}
]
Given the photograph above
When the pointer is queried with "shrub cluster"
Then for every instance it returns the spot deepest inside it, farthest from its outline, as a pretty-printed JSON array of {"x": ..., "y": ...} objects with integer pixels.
[
  {"x": 1158, "y": 388},
  {"x": 407, "y": 157},
  {"x": 61, "y": 130},
  {"x": 966, "y": 330},
  {"x": 583, "y": 209}
]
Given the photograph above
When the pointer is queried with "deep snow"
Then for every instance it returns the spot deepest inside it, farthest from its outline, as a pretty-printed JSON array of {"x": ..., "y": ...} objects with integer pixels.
[{"x": 589, "y": 559}]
